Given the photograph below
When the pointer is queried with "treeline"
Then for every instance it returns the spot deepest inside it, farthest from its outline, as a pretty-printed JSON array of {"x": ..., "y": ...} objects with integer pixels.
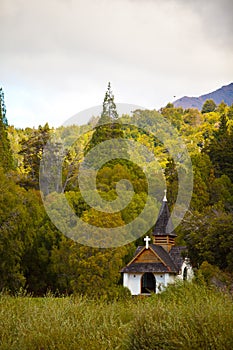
[{"x": 36, "y": 256}]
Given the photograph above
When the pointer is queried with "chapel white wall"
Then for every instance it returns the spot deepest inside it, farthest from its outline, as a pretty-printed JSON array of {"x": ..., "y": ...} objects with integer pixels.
[{"x": 133, "y": 282}]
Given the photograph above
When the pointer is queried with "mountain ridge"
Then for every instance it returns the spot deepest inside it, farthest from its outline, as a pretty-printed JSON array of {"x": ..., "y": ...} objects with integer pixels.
[{"x": 225, "y": 93}]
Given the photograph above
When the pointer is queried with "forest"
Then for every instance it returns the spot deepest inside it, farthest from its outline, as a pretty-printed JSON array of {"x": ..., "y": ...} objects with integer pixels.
[{"x": 36, "y": 257}]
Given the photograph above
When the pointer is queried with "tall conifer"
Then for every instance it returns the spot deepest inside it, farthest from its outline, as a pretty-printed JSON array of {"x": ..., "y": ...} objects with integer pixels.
[
  {"x": 109, "y": 112},
  {"x": 6, "y": 159},
  {"x": 108, "y": 126}
]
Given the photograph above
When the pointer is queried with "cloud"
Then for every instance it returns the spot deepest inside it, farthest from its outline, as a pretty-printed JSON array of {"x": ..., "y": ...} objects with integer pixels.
[
  {"x": 216, "y": 18},
  {"x": 215, "y": 15},
  {"x": 62, "y": 53}
]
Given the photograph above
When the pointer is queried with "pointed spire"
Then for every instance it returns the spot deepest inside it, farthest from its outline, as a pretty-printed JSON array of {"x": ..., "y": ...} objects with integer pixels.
[{"x": 163, "y": 225}]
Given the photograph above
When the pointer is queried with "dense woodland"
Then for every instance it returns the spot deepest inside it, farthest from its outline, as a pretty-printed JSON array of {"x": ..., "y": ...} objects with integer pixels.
[{"x": 35, "y": 256}]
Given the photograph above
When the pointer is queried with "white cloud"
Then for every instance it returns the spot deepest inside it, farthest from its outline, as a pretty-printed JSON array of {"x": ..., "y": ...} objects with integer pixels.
[{"x": 61, "y": 54}]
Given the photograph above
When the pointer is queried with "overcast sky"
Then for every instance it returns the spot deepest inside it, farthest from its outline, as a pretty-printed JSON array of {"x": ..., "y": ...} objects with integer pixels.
[{"x": 57, "y": 56}]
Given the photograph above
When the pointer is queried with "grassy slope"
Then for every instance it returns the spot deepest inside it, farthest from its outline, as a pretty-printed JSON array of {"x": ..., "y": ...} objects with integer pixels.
[{"x": 188, "y": 317}]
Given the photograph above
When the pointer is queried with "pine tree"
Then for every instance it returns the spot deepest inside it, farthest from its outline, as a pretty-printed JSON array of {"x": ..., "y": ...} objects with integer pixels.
[
  {"x": 220, "y": 149},
  {"x": 108, "y": 126},
  {"x": 208, "y": 106},
  {"x": 109, "y": 112},
  {"x": 6, "y": 158}
]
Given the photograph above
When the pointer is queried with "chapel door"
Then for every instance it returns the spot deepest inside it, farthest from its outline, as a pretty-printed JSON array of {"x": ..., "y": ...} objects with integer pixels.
[{"x": 148, "y": 283}]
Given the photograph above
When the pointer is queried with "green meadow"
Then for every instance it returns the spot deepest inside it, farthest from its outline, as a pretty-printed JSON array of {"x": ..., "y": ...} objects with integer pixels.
[{"x": 191, "y": 316}]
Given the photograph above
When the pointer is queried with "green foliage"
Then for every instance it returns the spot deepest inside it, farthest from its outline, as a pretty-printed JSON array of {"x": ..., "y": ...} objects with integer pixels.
[
  {"x": 202, "y": 170},
  {"x": 101, "y": 272},
  {"x": 6, "y": 159},
  {"x": 213, "y": 276},
  {"x": 208, "y": 106},
  {"x": 208, "y": 236},
  {"x": 221, "y": 191},
  {"x": 34, "y": 255},
  {"x": 26, "y": 239},
  {"x": 193, "y": 117},
  {"x": 174, "y": 115},
  {"x": 172, "y": 181},
  {"x": 108, "y": 126},
  {"x": 230, "y": 113},
  {"x": 109, "y": 107},
  {"x": 3, "y": 108},
  {"x": 220, "y": 149},
  {"x": 32, "y": 149}
]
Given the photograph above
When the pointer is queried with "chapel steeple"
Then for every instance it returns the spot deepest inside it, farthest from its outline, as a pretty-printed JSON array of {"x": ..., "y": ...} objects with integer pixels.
[{"x": 163, "y": 233}]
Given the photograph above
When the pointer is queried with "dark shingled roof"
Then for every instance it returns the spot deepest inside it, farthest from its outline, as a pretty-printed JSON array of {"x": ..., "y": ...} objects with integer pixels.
[
  {"x": 139, "y": 248},
  {"x": 163, "y": 225},
  {"x": 176, "y": 255},
  {"x": 164, "y": 255},
  {"x": 169, "y": 266}
]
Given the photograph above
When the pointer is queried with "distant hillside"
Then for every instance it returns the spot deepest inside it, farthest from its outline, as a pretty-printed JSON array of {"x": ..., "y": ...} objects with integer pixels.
[{"x": 225, "y": 93}]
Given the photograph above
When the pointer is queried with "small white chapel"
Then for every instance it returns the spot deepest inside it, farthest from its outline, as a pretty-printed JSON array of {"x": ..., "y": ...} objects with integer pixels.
[{"x": 160, "y": 263}]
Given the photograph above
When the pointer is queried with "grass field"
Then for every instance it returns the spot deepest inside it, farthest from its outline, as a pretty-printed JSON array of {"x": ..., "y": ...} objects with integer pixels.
[{"x": 184, "y": 317}]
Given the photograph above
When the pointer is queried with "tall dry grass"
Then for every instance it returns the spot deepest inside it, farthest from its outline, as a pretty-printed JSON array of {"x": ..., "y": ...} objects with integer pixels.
[{"x": 183, "y": 317}]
